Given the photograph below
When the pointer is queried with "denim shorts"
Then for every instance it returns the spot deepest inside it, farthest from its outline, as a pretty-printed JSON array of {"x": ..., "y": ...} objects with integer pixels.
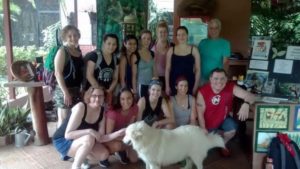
[
  {"x": 227, "y": 125},
  {"x": 62, "y": 145}
]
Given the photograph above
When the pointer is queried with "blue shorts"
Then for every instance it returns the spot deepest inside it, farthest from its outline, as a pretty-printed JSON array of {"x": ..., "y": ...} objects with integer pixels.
[
  {"x": 227, "y": 125},
  {"x": 62, "y": 145}
]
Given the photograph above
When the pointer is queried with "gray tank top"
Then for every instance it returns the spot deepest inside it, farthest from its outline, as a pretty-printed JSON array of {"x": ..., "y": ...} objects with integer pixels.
[
  {"x": 145, "y": 71},
  {"x": 182, "y": 115}
]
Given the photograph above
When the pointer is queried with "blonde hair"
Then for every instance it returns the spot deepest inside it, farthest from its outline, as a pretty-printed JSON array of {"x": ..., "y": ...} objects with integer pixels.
[
  {"x": 88, "y": 93},
  {"x": 162, "y": 24},
  {"x": 68, "y": 28}
]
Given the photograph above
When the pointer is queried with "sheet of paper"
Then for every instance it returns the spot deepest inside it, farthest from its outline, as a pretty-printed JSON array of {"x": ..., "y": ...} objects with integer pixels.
[
  {"x": 293, "y": 52},
  {"x": 283, "y": 66},
  {"x": 259, "y": 64}
]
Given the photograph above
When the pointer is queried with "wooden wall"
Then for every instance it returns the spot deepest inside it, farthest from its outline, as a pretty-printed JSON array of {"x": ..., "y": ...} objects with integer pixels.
[{"x": 235, "y": 18}]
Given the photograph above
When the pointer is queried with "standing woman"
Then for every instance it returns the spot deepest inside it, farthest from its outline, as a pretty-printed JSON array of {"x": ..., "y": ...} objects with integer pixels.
[
  {"x": 154, "y": 109},
  {"x": 160, "y": 50},
  {"x": 182, "y": 60},
  {"x": 143, "y": 65},
  {"x": 82, "y": 133},
  {"x": 183, "y": 104},
  {"x": 68, "y": 65},
  {"x": 123, "y": 113},
  {"x": 106, "y": 71},
  {"x": 129, "y": 49}
]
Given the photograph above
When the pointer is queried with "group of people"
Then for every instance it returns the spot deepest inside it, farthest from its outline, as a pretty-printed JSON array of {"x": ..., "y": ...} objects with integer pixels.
[{"x": 91, "y": 123}]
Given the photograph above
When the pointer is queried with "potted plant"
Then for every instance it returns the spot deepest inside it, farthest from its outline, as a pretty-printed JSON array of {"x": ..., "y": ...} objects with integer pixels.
[{"x": 5, "y": 125}]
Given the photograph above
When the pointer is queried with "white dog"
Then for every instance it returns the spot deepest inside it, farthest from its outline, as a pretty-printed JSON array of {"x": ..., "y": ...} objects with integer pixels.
[{"x": 162, "y": 147}]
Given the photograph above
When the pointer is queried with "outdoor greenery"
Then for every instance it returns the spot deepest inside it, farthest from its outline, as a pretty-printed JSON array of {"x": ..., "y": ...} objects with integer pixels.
[{"x": 280, "y": 21}]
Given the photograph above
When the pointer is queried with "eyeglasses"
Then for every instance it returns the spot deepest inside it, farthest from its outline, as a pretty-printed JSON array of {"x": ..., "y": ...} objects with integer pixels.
[{"x": 98, "y": 96}]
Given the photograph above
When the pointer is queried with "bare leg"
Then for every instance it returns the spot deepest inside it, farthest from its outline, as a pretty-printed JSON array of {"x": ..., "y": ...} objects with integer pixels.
[
  {"x": 80, "y": 148},
  {"x": 229, "y": 135}
]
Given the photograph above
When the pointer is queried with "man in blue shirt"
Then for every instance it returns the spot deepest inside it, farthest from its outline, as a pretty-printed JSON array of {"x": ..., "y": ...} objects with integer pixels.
[{"x": 214, "y": 50}]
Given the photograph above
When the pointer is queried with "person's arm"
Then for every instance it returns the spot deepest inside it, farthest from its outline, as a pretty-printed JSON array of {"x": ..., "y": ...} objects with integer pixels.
[
  {"x": 141, "y": 105},
  {"x": 115, "y": 80},
  {"x": 90, "y": 68},
  {"x": 200, "y": 104},
  {"x": 74, "y": 122},
  {"x": 167, "y": 71},
  {"x": 134, "y": 73},
  {"x": 122, "y": 71},
  {"x": 110, "y": 123},
  {"x": 168, "y": 121},
  {"x": 193, "y": 118},
  {"x": 248, "y": 98},
  {"x": 59, "y": 64},
  {"x": 197, "y": 70}
]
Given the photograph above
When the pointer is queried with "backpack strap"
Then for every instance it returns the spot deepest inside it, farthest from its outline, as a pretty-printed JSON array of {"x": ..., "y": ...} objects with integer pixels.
[
  {"x": 68, "y": 58},
  {"x": 296, "y": 157},
  {"x": 99, "y": 59},
  {"x": 283, "y": 155}
]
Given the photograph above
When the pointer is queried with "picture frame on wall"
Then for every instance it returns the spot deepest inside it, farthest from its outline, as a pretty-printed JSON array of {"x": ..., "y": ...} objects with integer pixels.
[
  {"x": 297, "y": 118},
  {"x": 261, "y": 49},
  {"x": 272, "y": 117},
  {"x": 256, "y": 79},
  {"x": 263, "y": 140}
]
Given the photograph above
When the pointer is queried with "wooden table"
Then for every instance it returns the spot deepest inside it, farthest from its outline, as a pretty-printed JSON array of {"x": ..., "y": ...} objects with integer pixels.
[{"x": 36, "y": 100}]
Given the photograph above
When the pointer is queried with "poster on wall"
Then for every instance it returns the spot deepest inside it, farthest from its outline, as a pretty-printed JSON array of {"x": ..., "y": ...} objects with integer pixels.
[
  {"x": 295, "y": 136},
  {"x": 256, "y": 79},
  {"x": 197, "y": 28},
  {"x": 263, "y": 140},
  {"x": 261, "y": 49},
  {"x": 293, "y": 52},
  {"x": 297, "y": 118},
  {"x": 272, "y": 117}
]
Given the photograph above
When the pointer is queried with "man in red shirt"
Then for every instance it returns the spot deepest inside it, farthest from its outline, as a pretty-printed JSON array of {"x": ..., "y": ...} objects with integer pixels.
[{"x": 214, "y": 103}]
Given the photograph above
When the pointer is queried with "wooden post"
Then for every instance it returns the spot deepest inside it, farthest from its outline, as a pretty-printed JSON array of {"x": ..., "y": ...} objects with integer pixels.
[{"x": 36, "y": 100}]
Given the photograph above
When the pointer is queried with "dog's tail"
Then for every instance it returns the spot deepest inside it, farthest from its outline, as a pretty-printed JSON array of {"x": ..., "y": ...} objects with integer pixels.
[{"x": 216, "y": 140}]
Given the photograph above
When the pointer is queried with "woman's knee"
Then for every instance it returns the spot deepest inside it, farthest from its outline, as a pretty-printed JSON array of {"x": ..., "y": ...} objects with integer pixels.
[{"x": 88, "y": 141}]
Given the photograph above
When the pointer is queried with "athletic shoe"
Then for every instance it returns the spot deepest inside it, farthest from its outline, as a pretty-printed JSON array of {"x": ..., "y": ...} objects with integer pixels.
[
  {"x": 122, "y": 157},
  {"x": 104, "y": 163}
]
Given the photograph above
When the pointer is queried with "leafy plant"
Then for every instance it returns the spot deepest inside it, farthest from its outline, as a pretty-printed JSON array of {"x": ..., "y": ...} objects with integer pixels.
[
  {"x": 18, "y": 118},
  {"x": 49, "y": 35},
  {"x": 4, "y": 120}
]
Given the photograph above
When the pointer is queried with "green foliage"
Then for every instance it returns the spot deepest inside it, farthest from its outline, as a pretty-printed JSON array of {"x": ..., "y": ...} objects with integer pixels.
[
  {"x": 18, "y": 118},
  {"x": 4, "y": 120},
  {"x": 279, "y": 22},
  {"x": 49, "y": 35}
]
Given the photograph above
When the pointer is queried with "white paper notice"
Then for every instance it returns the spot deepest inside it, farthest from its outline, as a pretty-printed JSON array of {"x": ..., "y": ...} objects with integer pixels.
[
  {"x": 283, "y": 66},
  {"x": 259, "y": 64},
  {"x": 293, "y": 52}
]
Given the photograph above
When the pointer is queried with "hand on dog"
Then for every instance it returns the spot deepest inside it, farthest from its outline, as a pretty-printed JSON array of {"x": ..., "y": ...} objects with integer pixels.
[
  {"x": 243, "y": 112},
  {"x": 121, "y": 132}
]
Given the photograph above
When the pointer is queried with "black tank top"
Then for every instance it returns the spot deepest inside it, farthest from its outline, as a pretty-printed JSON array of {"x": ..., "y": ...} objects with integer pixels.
[
  {"x": 60, "y": 132},
  {"x": 149, "y": 111}
]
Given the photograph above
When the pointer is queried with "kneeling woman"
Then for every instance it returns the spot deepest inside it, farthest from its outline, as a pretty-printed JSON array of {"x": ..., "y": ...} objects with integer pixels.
[
  {"x": 154, "y": 109},
  {"x": 81, "y": 135},
  {"x": 120, "y": 116}
]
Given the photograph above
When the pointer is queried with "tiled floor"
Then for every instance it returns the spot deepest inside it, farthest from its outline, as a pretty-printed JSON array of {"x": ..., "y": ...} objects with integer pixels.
[{"x": 45, "y": 157}]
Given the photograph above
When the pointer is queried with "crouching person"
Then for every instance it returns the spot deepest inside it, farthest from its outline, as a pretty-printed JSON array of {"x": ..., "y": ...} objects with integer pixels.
[
  {"x": 120, "y": 116},
  {"x": 82, "y": 133},
  {"x": 214, "y": 102}
]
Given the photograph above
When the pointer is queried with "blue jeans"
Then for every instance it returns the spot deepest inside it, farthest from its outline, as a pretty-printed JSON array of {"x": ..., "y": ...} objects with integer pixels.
[{"x": 227, "y": 125}]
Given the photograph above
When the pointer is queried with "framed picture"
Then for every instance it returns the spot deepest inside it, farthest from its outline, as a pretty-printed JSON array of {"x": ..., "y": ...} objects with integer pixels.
[
  {"x": 263, "y": 139},
  {"x": 297, "y": 118},
  {"x": 256, "y": 79},
  {"x": 197, "y": 27},
  {"x": 261, "y": 49},
  {"x": 272, "y": 117},
  {"x": 295, "y": 136}
]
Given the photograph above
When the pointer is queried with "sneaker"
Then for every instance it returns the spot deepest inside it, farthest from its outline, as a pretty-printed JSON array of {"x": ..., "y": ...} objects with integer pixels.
[
  {"x": 85, "y": 165},
  {"x": 122, "y": 157},
  {"x": 225, "y": 152},
  {"x": 104, "y": 163}
]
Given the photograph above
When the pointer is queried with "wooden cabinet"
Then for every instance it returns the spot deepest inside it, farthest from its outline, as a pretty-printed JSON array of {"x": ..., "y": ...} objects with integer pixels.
[{"x": 237, "y": 67}]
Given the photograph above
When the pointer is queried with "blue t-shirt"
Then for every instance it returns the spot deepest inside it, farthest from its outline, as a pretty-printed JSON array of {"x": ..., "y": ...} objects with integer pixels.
[{"x": 212, "y": 52}]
